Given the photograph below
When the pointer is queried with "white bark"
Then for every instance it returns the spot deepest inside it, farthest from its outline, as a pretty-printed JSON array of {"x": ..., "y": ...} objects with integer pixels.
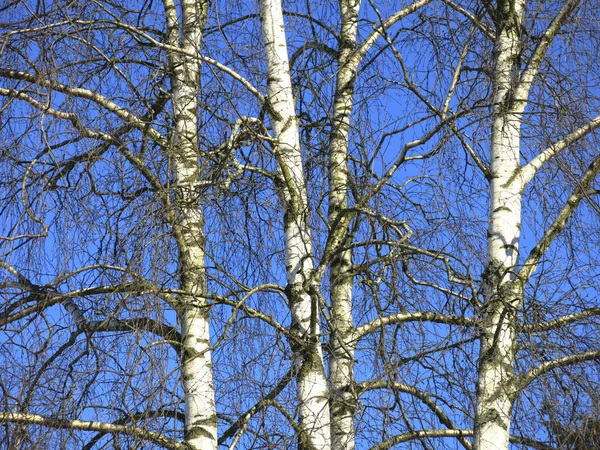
[
  {"x": 341, "y": 376},
  {"x": 341, "y": 369},
  {"x": 494, "y": 405},
  {"x": 312, "y": 392},
  {"x": 196, "y": 371},
  {"x": 503, "y": 289}
]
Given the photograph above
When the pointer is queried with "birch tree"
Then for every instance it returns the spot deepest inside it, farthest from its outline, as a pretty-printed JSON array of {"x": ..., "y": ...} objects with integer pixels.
[
  {"x": 313, "y": 409},
  {"x": 185, "y": 33},
  {"x": 323, "y": 225},
  {"x": 60, "y": 28},
  {"x": 505, "y": 276}
]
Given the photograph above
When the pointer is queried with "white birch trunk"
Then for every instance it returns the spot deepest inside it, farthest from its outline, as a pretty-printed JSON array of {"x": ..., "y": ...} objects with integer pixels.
[
  {"x": 196, "y": 371},
  {"x": 312, "y": 392},
  {"x": 502, "y": 294},
  {"x": 341, "y": 369}
]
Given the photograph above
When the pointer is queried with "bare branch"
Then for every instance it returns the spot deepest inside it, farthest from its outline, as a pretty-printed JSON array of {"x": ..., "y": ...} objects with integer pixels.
[
  {"x": 483, "y": 27},
  {"x": 560, "y": 322},
  {"x": 560, "y": 221},
  {"x": 262, "y": 403},
  {"x": 527, "y": 172},
  {"x": 533, "y": 65},
  {"x": 355, "y": 60},
  {"x": 418, "y": 316},
  {"x": 421, "y": 395},
  {"x": 140, "y": 34},
  {"x": 129, "y": 430},
  {"x": 87, "y": 94},
  {"x": 178, "y": 415},
  {"x": 523, "y": 380},
  {"x": 421, "y": 434}
]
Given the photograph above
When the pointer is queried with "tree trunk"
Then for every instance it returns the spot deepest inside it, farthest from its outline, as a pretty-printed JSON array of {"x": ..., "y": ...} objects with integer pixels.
[
  {"x": 343, "y": 398},
  {"x": 501, "y": 290},
  {"x": 312, "y": 392},
  {"x": 196, "y": 372}
]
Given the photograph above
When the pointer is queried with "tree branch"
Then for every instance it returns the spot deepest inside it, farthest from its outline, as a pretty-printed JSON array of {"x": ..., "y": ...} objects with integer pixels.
[
  {"x": 528, "y": 171},
  {"x": 87, "y": 94},
  {"x": 169, "y": 333},
  {"x": 533, "y": 65},
  {"x": 560, "y": 322},
  {"x": 262, "y": 403},
  {"x": 172, "y": 414},
  {"x": 378, "y": 31},
  {"x": 559, "y": 223},
  {"x": 523, "y": 380},
  {"x": 44, "y": 299},
  {"x": 374, "y": 325},
  {"x": 139, "y": 35},
  {"x": 484, "y": 28},
  {"x": 421, "y": 395},
  {"x": 420, "y": 434},
  {"x": 129, "y": 430}
]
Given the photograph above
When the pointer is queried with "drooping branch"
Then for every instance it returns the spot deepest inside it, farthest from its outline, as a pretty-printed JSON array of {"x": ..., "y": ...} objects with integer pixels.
[
  {"x": 313, "y": 20},
  {"x": 36, "y": 378},
  {"x": 115, "y": 138},
  {"x": 312, "y": 46},
  {"x": 483, "y": 27},
  {"x": 262, "y": 403},
  {"x": 404, "y": 249},
  {"x": 336, "y": 238},
  {"x": 108, "y": 139},
  {"x": 251, "y": 312},
  {"x": 45, "y": 297},
  {"x": 86, "y": 94},
  {"x": 441, "y": 113},
  {"x": 378, "y": 31},
  {"x": 144, "y": 38},
  {"x": 421, "y": 395},
  {"x": 282, "y": 410},
  {"x": 177, "y": 415}
]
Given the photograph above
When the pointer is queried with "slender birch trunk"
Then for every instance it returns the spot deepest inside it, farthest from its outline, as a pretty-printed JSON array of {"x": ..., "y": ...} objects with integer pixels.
[
  {"x": 341, "y": 369},
  {"x": 501, "y": 290},
  {"x": 200, "y": 410},
  {"x": 312, "y": 392}
]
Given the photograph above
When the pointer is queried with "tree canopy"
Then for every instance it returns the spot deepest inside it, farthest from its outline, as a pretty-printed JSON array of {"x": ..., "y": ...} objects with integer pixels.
[{"x": 314, "y": 225}]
